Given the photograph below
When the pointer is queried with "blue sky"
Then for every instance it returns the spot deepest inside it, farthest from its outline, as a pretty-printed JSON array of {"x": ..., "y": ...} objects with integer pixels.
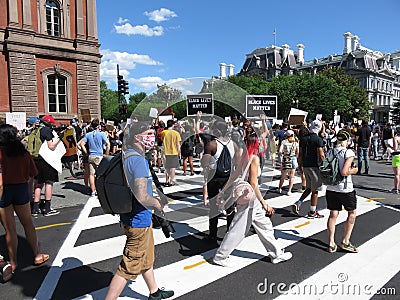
[{"x": 159, "y": 41}]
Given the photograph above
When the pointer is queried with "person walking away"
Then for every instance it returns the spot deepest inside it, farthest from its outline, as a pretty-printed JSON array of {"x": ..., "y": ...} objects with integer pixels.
[
  {"x": 311, "y": 153},
  {"x": 288, "y": 153},
  {"x": 16, "y": 167},
  {"x": 387, "y": 137},
  {"x": 138, "y": 253},
  {"x": 396, "y": 161},
  {"x": 375, "y": 142},
  {"x": 214, "y": 181},
  {"x": 159, "y": 127},
  {"x": 342, "y": 195},
  {"x": 96, "y": 140},
  {"x": 172, "y": 151},
  {"x": 187, "y": 149},
  {"x": 253, "y": 213},
  {"x": 363, "y": 138},
  {"x": 47, "y": 175}
]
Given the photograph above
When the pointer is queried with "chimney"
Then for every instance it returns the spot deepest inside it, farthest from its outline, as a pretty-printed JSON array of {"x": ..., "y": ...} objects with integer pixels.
[
  {"x": 285, "y": 49},
  {"x": 300, "y": 53},
  {"x": 356, "y": 42},
  {"x": 347, "y": 43},
  {"x": 222, "y": 70},
  {"x": 231, "y": 70}
]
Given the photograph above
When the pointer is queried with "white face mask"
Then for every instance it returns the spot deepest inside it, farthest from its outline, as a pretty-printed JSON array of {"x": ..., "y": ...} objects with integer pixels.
[{"x": 148, "y": 141}]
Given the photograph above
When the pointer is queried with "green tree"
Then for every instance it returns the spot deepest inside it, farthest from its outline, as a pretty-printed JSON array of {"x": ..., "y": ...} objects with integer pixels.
[
  {"x": 108, "y": 102},
  {"x": 354, "y": 93}
]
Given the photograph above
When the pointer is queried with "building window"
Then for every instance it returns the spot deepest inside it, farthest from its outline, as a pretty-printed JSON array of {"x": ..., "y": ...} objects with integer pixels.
[
  {"x": 57, "y": 91},
  {"x": 57, "y": 87},
  {"x": 53, "y": 18}
]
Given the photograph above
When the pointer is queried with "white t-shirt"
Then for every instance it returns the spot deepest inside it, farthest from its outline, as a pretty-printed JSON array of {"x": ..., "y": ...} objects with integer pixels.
[{"x": 346, "y": 185}]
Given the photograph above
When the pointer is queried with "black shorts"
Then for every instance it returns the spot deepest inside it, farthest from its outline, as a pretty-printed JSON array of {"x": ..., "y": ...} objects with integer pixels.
[
  {"x": 336, "y": 200},
  {"x": 46, "y": 173},
  {"x": 69, "y": 159}
]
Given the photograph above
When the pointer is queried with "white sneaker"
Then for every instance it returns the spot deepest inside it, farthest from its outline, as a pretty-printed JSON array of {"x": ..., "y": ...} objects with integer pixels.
[
  {"x": 225, "y": 262},
  {"x": 280, "y": 191},
  {"x": 289, "y": 193},
  {"x": 283, "y": 257}
]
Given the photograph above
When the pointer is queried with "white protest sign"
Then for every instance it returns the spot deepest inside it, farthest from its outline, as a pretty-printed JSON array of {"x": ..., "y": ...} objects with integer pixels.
[
  {"x": 17, "y": 119},
  {"x": 318, "y": 117},
  {"x": 153, "y": 112}
]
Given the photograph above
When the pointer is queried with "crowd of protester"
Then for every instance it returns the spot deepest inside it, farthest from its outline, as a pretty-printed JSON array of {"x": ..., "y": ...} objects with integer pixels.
[{"x": 172, "y": 145}]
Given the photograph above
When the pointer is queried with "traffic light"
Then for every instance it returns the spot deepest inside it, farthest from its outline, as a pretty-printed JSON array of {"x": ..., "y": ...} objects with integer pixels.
[
  {"x": 124, "y": 109},
  {"x": 125, "y": 87},
  {"x": 121, "y": 85}
]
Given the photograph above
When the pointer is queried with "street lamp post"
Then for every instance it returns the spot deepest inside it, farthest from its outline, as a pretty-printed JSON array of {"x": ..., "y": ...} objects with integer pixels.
[{"x": 296, "y": 102}]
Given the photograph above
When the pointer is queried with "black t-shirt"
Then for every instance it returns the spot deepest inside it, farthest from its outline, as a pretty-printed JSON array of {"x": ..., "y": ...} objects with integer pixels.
[
  {"x": 46, "y": 134},
  {"x": 364, "y": 135},
  {"x": 309, "y": 145}
]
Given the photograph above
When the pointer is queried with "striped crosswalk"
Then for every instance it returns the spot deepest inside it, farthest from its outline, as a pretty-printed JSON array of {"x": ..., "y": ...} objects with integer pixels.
[{"x": 89, "y": 256}]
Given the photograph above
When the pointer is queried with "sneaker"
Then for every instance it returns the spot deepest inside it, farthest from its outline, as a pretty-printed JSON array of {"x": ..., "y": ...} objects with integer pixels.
[
  {"x": 394, "y": 191},
  {"x": 314, "y": 215},
  {"x": 289, "y": 193},
  {"x": 279, "y": 191},
  {"x": 296, "y": 208},
  {"x": 281, "y": 258},
  {"x": 225, "y": 262},
  {"x": 348, "y": 247},
  {"x": 192, "y": 174},
  {"x": 5, "y": 270},
  {"x": 93, "y": 194},
  {"x": 162, "y": 295},
  {"x": 35, "y": 212},
  {"x": 51, "y": 212}
]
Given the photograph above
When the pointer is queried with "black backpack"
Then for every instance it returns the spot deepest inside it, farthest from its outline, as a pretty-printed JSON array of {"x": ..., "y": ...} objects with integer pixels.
[
  {"x": 224, "y": 162},
  {"x": 114, "y": 194}
]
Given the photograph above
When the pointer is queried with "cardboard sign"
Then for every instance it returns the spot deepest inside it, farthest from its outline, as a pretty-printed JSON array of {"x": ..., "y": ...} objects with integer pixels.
[
  {"x": 258, "y": 104},
  {"x": 17, "y": 119},
  {"x": 85, "y": 115},
  {"x": 200, "y": 102},
  {"x": 297, "y": 116}
]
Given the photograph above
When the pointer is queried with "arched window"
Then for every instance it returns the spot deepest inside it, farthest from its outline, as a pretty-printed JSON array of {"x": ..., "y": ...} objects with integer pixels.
[
  {"x": 53, "y": 18},
  {"x": 57, "y": 93}
]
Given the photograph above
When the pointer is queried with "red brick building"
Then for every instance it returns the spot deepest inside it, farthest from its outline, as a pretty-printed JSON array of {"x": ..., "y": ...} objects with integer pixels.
[{"x": 50, "y": 59}]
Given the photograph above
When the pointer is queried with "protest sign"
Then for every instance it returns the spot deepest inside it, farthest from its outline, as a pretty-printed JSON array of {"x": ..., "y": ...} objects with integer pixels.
[
  {"x": 200, "y": 102},
  {"x": 258, "y": 104}
]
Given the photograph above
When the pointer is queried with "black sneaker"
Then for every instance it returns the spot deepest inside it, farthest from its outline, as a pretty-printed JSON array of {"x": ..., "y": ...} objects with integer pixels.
[
  {"x": 51, "y": 212},
  {"x": 314, "y": 215},
  {"x": 163, "y": 294},
  {"x": 35, "y": 212}
]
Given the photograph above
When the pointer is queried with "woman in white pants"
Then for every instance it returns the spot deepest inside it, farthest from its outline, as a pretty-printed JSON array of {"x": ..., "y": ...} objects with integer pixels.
[{"x": 252, "y": 214}]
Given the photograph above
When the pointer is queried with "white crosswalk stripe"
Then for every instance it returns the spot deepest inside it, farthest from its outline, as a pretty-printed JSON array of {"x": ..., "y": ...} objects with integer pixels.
[{"x": 379, "y": 254}]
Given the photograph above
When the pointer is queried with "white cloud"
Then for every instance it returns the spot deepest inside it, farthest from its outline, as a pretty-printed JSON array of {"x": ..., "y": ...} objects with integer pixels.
[
  {"x": 121, "y": 21},
  {"x": 126, "y": 61},
  {"x": 145, "y": 30},
  {"x": 160, "y": 15}
]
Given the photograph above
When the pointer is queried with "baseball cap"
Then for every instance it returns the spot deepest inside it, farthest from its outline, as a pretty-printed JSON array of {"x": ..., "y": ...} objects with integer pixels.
[
  {"x": 289, "y": 132},
  {"x": 48, "y": 119},
  {"x": 316, "y": 126},
  {"x": 33, "y": 120},
  {"x": 73, "y": 122}
]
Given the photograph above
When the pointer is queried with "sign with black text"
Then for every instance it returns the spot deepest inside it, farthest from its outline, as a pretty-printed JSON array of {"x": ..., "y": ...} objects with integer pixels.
[
  {"x": 258, "y": 104},
  {"x": 200, "y": 102}
]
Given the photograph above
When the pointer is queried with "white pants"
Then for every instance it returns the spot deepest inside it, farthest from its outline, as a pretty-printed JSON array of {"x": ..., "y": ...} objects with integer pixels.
[{"x": 245, "y": 216}]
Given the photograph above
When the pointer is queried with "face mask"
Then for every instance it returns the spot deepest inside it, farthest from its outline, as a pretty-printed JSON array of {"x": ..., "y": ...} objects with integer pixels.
[{"x": 148, "y": 141}]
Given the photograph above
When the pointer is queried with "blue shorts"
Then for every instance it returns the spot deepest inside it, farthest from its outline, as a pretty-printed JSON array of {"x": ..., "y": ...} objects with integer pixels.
[{"x": 16, "y": 194}]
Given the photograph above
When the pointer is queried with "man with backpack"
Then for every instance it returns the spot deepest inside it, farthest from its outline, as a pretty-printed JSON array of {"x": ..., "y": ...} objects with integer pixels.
[
  {"x": 311, "y": 153},
  {"x": 363, "y": 137},
  {"x": 220, "y": 155},
  {"x": 47, "y": 175},
  {"x": 138, "y": 254}
]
